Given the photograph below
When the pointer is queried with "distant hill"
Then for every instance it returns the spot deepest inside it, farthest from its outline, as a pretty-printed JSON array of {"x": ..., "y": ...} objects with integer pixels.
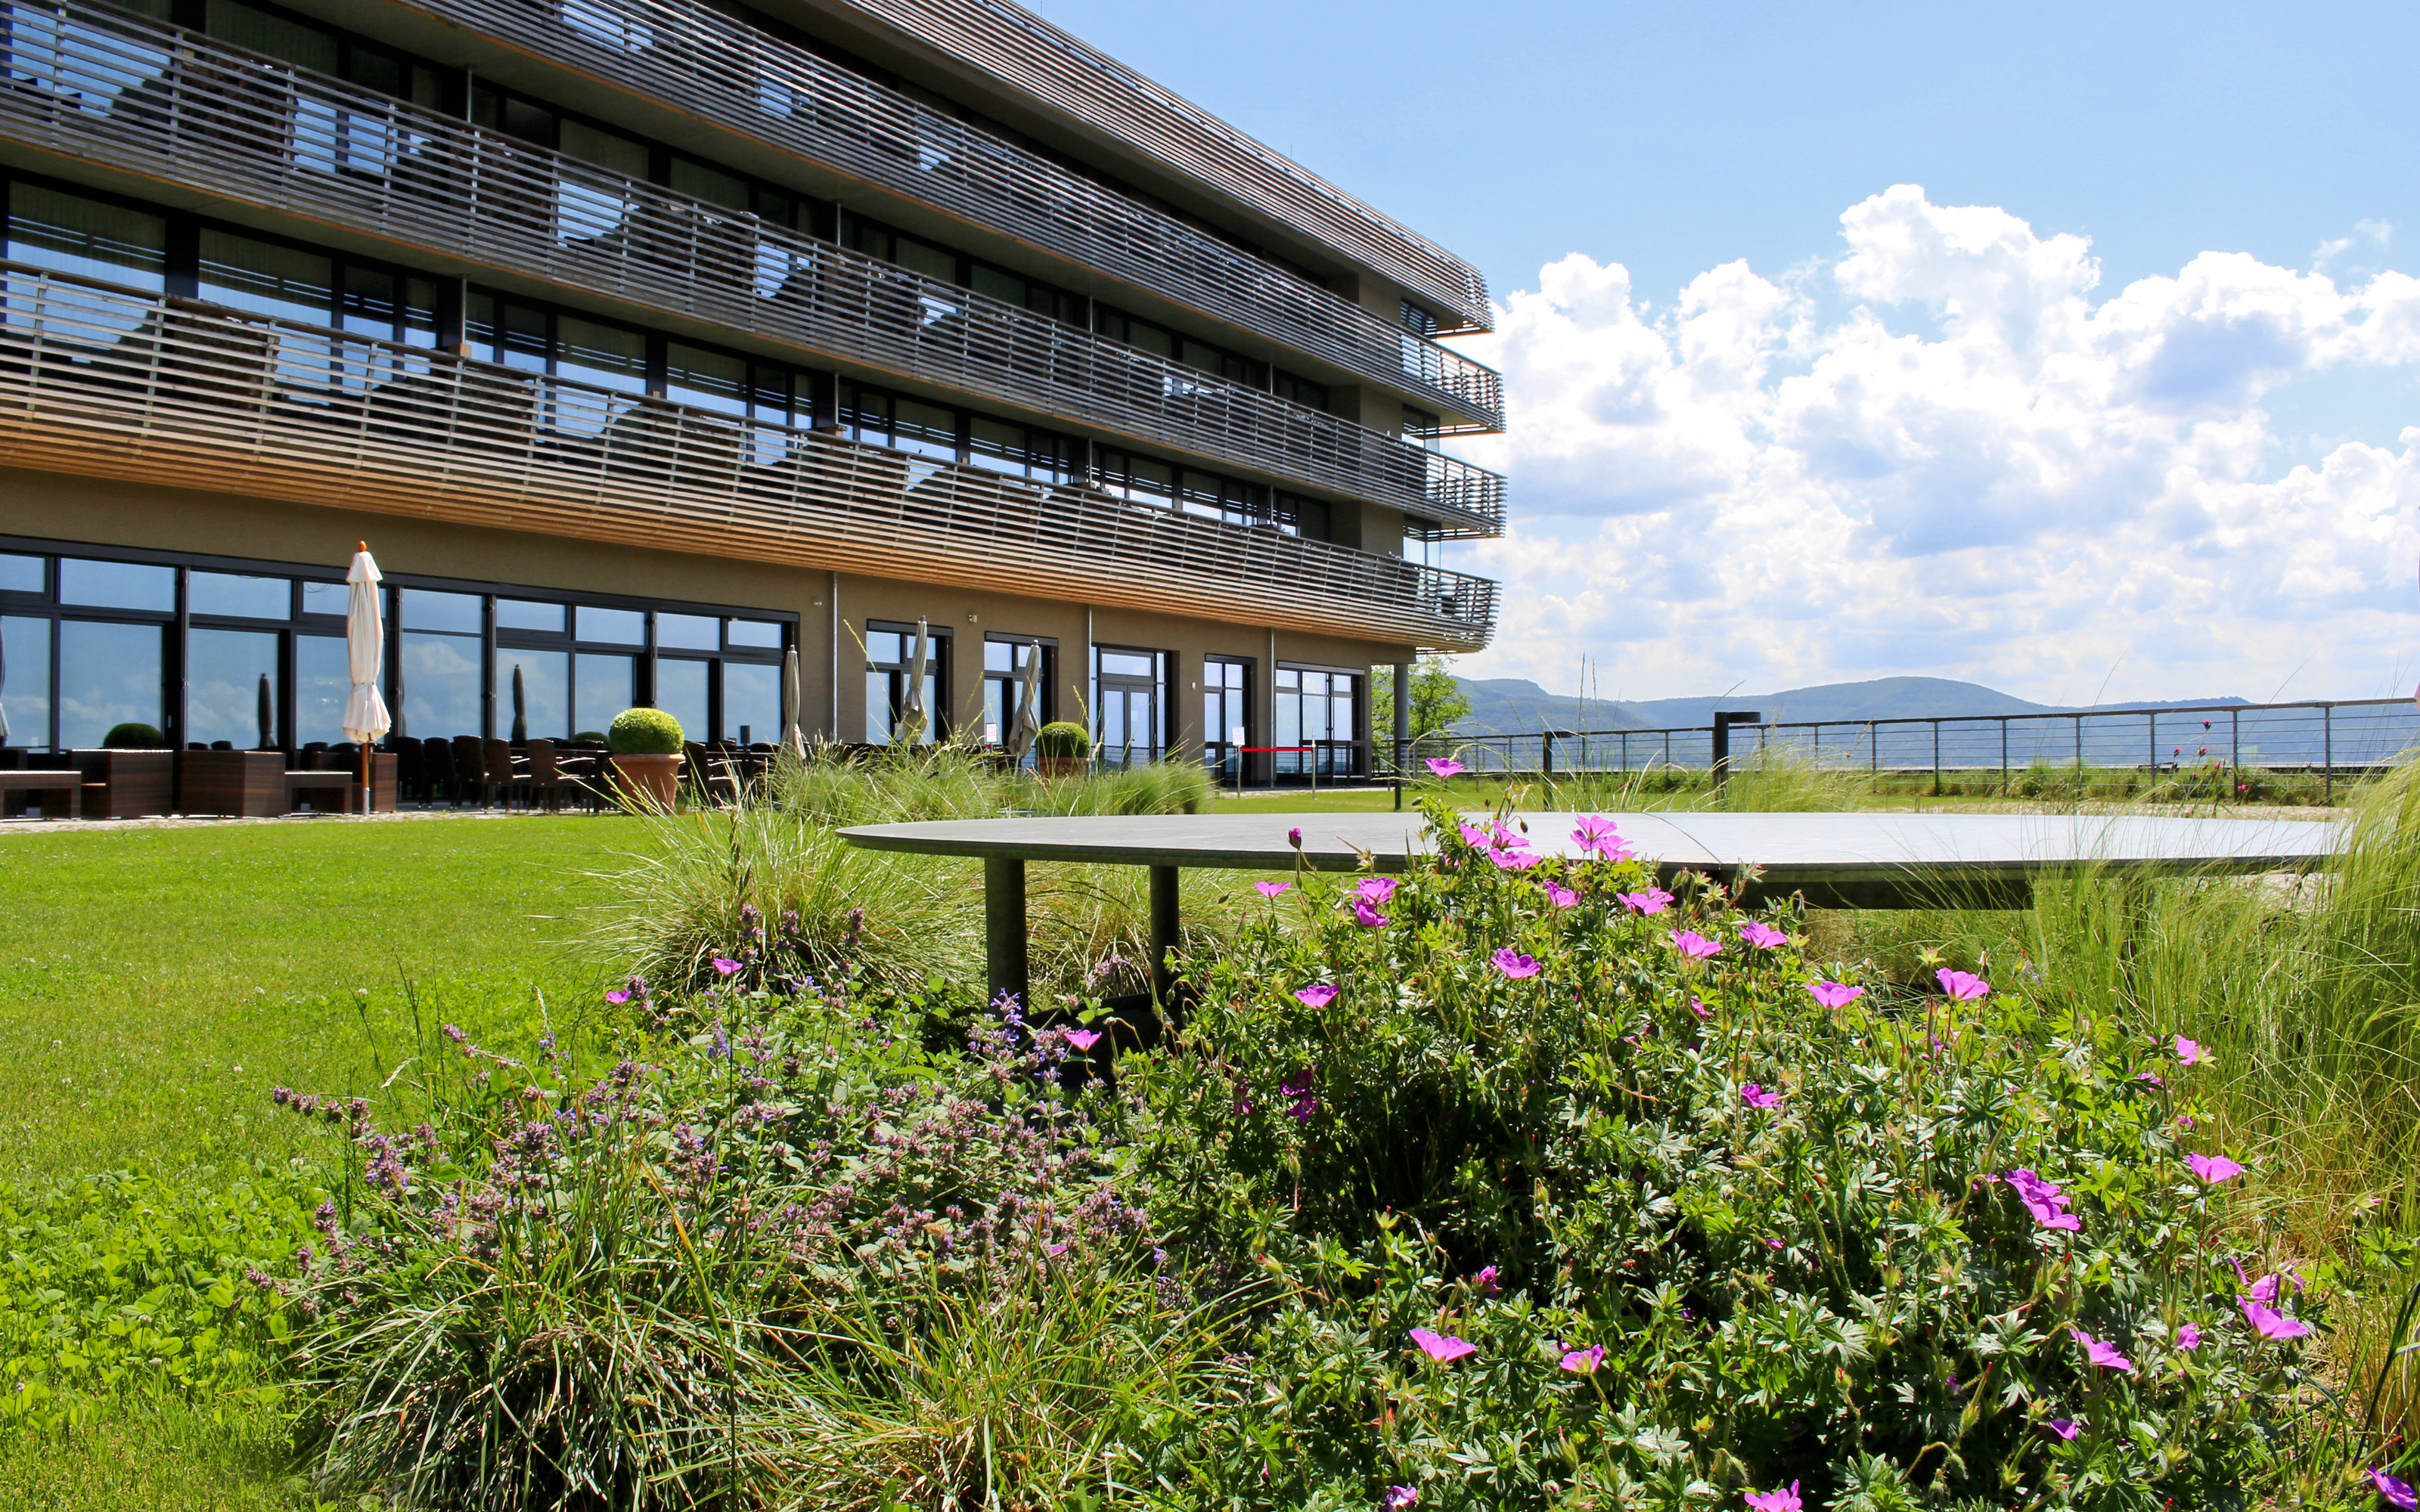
[{"x": 1509, "y": 705}]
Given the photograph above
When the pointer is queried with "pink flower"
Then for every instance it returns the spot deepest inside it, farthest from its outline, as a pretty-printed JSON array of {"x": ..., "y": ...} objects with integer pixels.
[
  {"x": 1772, "y": 1244},
  {"x": 2044, "y": 1199},
  {"x": 2152, "y": 1077},
  {"x": 1441, "y": 768},
  {"x": 1485, "y": 1280},
  {"x": 2066, "y": 1428},
  {"x": 2189, "y": 1338},
  {"x": 1653, "y": 901},
  {"x": 1775, "y": 1500},
  {"x": 1700, "y": 1009},
  {"x": 1366, "y": 917},
  {"x": 1513, "y": 860},
  {"x": 2393, "y": 1493},
  {"x": 1694, "y": 944},
  {"x": 1584, "y": 1362},
  {"x": 617, "y": 996},
  {"x": 1832, "y": 994},
  {"x": 2185, "y": 1120},
  {"x": 1513, "y": 964},
  {"x": 1271, "y": 889},
  {"x": 2269, "y": 1322},
  {"x": 1474, "y": 835},
  {"x": 2101, "y": 1352},
  {"x": 1442, "y": 1348},
  {"x": 1763, "y": 936},
  {"x": 1963, "y": 986},
  {"x": 1399, "y": 1497},
  {"x": 1376, "y": 889},
  {"x": 1293, "y": 837},
  {"x": 1318, "y": 994},
  {"x": 1083, "y": 1039},
  {"x": 1560, "y": 896},
  {"x": 1595, "y": 832},
  {"x": 724, "y": 964},
  {"x": 2190, "y": 1054},
  {"x": 1754, "y": 1096},
  {"x": 2214, "y": 1168}
]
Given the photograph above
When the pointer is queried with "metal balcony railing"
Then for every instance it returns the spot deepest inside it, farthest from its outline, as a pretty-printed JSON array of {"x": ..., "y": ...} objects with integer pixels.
[
  {"x": 104, "y": 382},
  {"x": 1028, "y": 54},
  {"x": 688, "y": 56},
  {"x": 131, "y": 94}
]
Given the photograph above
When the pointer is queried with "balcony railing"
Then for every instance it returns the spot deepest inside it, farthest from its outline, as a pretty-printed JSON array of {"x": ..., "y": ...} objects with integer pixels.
[
  {"x": 687, "y": 56},
  {"x": 134, "y": 95},
  {"x": 99, "y": 381},
  {"x": 1021, "y": 50}
]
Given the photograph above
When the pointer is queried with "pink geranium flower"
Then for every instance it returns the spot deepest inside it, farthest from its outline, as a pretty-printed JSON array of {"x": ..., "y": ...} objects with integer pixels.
[
  {"x": 1473, "y": 835},
  {"x": 1651, "y": 901},
  {"x": 1700, "y": 1009},
  {"x": 2066, "y": 1428},
  {"x": 617, "y": 996},
  {"x": 2101, "y": 1352},
  {"x": 1584, "y": 1362},
  {"x": 1963, "y": 986},
  {"x": 2393, "y": 1493},
  {"x": 1399, "y": 1497},
  {"x": 724, "y": 966},
  {"x": 2189, "y": 1338},
  {"x": 1366, "y": 917},
  {"x": 1513, "y": 860},
  {"x": 1318, "y": 994},
  {"x": 1763, "y": 936},
  {"x": 1442, "y": 767},
  {"x": 1083, "y": 1039},
  {"x": 1775, "y": 1500},
  {"x": 1694, "y": 944},
  {"x": 1271, "y": 889},
  {"x": 2214, "y": 1168},
  {"x": 1560, "y": 896},
  {"x": 2269, "y": 1322},
  {"x": 1514, "y": 965},
  {"x": 1754, "y": 1096},
  {"x": 2190, "y": 1054},
  {"x": 1832, "y": 994},
  {"x": 2046, "y": 1200},
  {"x": 1442, "y": 1348},
  {"x": 1376, "y": 889},
  {"x": 1595, "y": 832}
]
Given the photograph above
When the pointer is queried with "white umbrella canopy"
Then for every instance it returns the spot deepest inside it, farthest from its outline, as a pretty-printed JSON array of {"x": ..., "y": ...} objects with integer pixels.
[
  {"x": 366, "y": 717},
  {"x": 1028, "y": 722},
  {"x": 914, "y": 719},
  {"x": 798, "y": 738}
]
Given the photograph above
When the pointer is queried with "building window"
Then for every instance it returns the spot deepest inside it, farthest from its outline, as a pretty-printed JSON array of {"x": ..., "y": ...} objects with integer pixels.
[
  {"x": 1006, "y": 658},
  {"x": 1317, "y": 714},
  {"x": 879, "y": 418},
  {"x": 1226, "y": 715},
  {"x": 1176, "y": 346},
  {"x": 1129, "y": 695},
  {"x": 889, "y": 651}
]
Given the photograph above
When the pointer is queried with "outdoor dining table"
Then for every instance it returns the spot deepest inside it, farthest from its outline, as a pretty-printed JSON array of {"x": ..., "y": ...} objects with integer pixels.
[{"x": 1835, "y": 860}]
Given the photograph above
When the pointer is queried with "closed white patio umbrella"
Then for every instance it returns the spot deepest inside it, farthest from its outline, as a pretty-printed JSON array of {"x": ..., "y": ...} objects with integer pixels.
[
  {"x": 365, "y": 717},
  {"x": 913, "y": 716},
  {"x": 1028, "y": 722},
  {"x": 798, "y": 737}
]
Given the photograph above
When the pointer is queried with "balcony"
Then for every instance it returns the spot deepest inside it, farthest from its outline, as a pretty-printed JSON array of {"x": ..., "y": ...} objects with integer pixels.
[
  {"x": 135, "y": 96},
  {"x": 102, "y": 383},
  {"x": 1027, "y": 54},
  {"x": 685, "y": 55}
]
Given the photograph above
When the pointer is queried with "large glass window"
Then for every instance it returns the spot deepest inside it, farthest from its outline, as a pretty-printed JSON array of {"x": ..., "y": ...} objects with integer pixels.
[
  {"x": 441, "y": 678},
  {"x": 229, "y": 676},
  {"x": 752, "y": 702},
  {"x": 117, "y": 585},
  {"x": 613, "y": 626},
  {"x": 1128, "y": 698},
  {"x": 681, "y": 692},
  {"x": 1005, "y": 663},
  {"x": 1226, "y": 714},
  {"x": 323, "y": 682},
  {"x": 1318, "y": 711},
  {"x": 543, "y": 709},
  {"x": 603, "y": 684},
  {"x": 25, "y": 692},
  {"x": 889, "y": 674},
  {"x": 109, "y": 675},
  {"x": 425, "y": 608},
  {"x": 22, "y": 574},
  {"x": 51, "y": 228},
  {"x": 267, "y": 278},
  {"x": 240, "y": 596}
]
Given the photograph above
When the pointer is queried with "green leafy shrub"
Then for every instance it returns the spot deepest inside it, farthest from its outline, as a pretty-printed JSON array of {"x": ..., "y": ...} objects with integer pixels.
[
  {"x": 643, "y": 733},
  {"x": 1062, "y": 741},
  {"x": 119, "y": 1288},
  {"x": 591, "y": 736},
  {"x": 132, "y": 736}
]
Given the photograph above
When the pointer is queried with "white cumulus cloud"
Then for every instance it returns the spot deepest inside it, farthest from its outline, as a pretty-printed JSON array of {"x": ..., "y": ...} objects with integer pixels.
[{"x": 1948, "y": 451}]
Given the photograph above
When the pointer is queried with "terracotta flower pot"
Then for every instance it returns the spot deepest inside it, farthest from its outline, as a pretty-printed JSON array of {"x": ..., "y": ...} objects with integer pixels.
[
  {"x": 1062, "y": 765},
  {"x": 651, "y": 780}
]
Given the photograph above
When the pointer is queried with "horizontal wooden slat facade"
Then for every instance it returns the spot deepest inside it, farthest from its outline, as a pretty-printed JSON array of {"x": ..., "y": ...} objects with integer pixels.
[
  {"x": 1022, "y": 51},
  {"x": 130, "y": 94},
  {"x": 687, "y": 56},
  {"x": 103, "y": 382}
]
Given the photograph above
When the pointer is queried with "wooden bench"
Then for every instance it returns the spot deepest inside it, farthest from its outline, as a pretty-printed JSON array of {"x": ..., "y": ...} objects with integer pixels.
[
  {"x": 60, "y": 793},
  {"x": 309, "y": 790}
]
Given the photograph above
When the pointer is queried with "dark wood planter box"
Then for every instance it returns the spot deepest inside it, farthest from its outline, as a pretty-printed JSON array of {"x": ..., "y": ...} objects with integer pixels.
[
  {"x": 127, "y": 784},
  {"x": 240, "y": 784}
]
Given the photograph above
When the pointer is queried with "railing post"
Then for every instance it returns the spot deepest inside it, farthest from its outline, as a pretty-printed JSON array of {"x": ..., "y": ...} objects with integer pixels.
[
  {"x": 1546, "y": 752},
  {"x": 2079, "y": 757},
  {"x": 1936, "y": 758},
  {"x": 2327, "y": 752},
  {"x": 2004, "y": 756},
  {"x": 2151, "y": 725},
  {"x": 1874, "y": 749},
  {"x": 2235, "y": 749}
]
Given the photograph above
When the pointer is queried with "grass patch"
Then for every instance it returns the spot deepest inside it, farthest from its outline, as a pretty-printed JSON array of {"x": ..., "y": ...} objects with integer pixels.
[{"x": 153, "y": 982}]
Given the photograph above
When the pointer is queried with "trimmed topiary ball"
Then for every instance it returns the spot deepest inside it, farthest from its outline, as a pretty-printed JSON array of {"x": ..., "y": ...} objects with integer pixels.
[
  {"x": 591, "y": 736},
  {"x": 643, "y": 733},
  {"x": 132, "y": 736},
  {"x": 1062, "y": 741}
]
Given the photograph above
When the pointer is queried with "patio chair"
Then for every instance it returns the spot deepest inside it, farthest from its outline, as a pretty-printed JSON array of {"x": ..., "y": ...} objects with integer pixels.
[
  {"x": 502, "y": 774},
  {"x": 469, "y": 773},
  {"x": 709, "y": 773}
]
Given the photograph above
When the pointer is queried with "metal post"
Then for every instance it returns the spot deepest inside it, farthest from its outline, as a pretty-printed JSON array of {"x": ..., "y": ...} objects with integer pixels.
[
  {"x": 1874, "y": 749},
  {"x": 1004, "y": 960},
  {"x": 2327, "y": 751},
  {"x": 2235, "y": 748},
  {"x": 2151, "y": 724},
  {"x": 2004, "y": 756},
  {"x": 2079, "y": 756},
  {"x": 1546, "y": 752},
  {"x": 1936, "y": 758},
  {"x": 1402, "y": 728},
  {"x": 1165, "y": 932}
]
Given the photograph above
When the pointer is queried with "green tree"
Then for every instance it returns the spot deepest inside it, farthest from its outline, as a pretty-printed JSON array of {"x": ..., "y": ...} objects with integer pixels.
[{"x": 1438, "y": 700}]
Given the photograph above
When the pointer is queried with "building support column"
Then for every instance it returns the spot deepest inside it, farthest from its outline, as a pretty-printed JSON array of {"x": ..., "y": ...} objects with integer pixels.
[
  {"x": 1403, "y": 726},
  {"x": 832, "y": 596}
]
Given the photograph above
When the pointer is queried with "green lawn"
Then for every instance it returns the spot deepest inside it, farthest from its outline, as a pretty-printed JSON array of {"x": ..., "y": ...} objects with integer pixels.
[{"x": 155, "y": 984}]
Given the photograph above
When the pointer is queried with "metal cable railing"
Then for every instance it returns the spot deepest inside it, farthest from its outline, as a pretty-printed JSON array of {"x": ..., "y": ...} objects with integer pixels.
[
  {"x": 131, "y": 94},
  {"x": 99, "y": 381},
  {"x": 1029, "y": 54},
  {"x": 2216, "y": 750},
  {"x": 686, "y": 54}
]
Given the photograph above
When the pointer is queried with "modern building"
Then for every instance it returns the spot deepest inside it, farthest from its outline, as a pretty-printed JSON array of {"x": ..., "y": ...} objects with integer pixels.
[{"x": 646, "y": 340}]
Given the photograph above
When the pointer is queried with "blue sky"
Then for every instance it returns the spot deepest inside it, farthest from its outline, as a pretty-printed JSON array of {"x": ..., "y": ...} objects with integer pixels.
[{"x": 1666, "y": 142}]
